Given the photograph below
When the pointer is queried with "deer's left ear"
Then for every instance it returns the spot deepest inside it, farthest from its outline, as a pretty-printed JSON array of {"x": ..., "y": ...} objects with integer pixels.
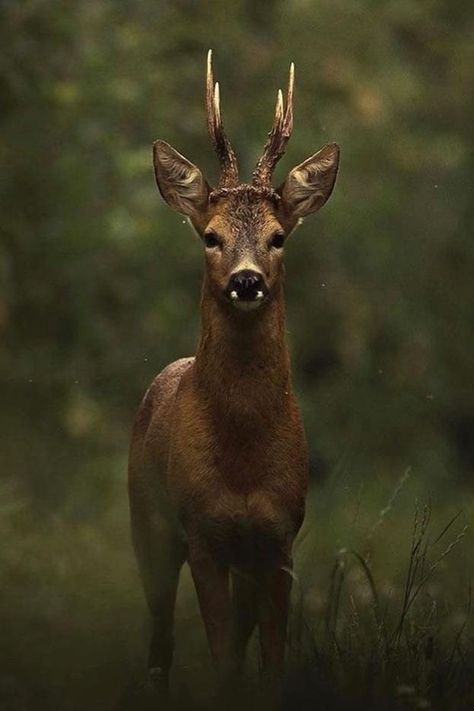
[
  {"x": 309, "y": 185},
  {"x": 180, "y": 182}
]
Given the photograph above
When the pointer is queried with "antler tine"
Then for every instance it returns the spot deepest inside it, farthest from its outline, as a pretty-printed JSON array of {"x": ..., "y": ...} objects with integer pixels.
[
  {"x": 227, "y": 160},
  {"x": 210, "y": 98},
  {"x": 289, "y": 102},
  {"x": 278, "y": 137},
  {"x": 279, "y": 110}
]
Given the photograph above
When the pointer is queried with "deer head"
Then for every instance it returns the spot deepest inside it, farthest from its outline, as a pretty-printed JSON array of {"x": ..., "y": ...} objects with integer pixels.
[{"x": 244, "y": 226}]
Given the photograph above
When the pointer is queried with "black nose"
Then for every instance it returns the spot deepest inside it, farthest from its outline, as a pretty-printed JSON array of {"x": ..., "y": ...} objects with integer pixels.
[{"x": 246, "y": 283}]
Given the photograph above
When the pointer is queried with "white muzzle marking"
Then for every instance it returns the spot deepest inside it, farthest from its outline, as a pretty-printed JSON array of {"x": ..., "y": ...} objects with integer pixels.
[{"x": 246, "y": 304}]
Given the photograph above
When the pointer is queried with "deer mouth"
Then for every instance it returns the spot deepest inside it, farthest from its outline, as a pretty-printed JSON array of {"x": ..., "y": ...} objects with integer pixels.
[
  {"x": 248, "y": 299},
  {"x": 247, "y": 302}
]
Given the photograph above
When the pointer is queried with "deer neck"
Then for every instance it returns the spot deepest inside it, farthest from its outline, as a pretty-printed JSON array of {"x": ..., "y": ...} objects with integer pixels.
[{"x": 242, "y": 360}]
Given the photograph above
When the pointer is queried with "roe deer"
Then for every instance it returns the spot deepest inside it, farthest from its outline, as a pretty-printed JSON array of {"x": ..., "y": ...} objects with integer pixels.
[{"x": 218, "y": 460}]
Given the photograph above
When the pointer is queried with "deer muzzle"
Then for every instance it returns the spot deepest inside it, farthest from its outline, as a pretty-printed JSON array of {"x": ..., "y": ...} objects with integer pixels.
[{"x": 247, "y": 289}]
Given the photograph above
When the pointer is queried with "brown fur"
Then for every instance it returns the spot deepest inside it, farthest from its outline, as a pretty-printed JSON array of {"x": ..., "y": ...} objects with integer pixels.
[{"x": 218, "y": 461}]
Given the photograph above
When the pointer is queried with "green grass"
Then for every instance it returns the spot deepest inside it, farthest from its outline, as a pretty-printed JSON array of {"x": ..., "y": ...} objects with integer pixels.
[
  {"x": 386, "y": 624},
  {"x": 380, "y": 617}
]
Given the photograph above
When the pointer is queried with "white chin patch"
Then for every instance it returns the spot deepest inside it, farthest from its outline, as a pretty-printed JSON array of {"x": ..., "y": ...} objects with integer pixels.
[{"x": 244, "y": 305}]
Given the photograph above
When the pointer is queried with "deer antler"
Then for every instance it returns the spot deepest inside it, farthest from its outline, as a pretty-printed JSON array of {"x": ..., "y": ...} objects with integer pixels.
[
  {"x": 278, "y": 137},
  {"x": 229, "y": 176}
]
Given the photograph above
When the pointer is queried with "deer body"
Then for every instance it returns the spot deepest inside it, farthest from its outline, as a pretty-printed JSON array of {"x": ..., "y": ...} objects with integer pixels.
[
  {"x": 243, "y": 471},
  {"x": 218, "y": 461}
]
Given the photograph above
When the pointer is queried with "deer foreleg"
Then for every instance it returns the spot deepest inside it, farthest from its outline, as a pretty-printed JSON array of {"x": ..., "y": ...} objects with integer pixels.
[
  {"x": 274, "y": 600},
  {"x": 244, "y": 603},
  {"x": 211, "y": 580}
]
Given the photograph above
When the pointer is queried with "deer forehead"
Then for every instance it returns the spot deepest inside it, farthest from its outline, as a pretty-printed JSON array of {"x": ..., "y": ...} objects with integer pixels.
[{"x": 243, "y": 219}]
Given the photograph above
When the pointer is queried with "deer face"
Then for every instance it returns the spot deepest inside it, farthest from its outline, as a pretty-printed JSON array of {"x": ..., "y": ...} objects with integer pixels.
[
  {"x": 243, "y": 243},
  {"x": 244, "y": 227}
]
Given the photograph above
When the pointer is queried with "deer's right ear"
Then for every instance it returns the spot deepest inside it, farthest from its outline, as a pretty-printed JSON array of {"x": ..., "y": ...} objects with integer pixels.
[{"x": 180, "y": 182}]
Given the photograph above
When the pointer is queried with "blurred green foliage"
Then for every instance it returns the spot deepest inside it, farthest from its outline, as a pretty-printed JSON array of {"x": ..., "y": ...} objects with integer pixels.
[{"x": 100, "y": 281}]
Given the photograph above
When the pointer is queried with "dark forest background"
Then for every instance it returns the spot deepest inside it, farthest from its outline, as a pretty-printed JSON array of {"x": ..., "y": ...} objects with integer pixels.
[{"x": 99, "y": 280}]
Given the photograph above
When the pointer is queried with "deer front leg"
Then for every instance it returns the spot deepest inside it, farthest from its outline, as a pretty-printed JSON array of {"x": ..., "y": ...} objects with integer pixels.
[
  {"x": 244, "y": 603},
  {"x": 274, "y": 601},
  {"x": 211, "y": 580}
]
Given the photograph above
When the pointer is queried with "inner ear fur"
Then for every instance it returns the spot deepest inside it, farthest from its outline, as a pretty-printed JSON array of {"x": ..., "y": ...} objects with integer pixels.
[
  {"x": 309, "y": 185},
  {"x": 180, "y": 182}
]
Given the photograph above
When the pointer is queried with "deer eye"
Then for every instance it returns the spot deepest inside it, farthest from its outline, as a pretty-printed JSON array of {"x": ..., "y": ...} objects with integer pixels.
[
  {"x": 277, "y": 240},
  {"x": 211, "y": 240}
]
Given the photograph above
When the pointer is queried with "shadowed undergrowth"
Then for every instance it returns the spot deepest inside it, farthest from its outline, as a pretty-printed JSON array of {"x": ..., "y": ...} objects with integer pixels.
[{"x": 381, "y": 614}]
